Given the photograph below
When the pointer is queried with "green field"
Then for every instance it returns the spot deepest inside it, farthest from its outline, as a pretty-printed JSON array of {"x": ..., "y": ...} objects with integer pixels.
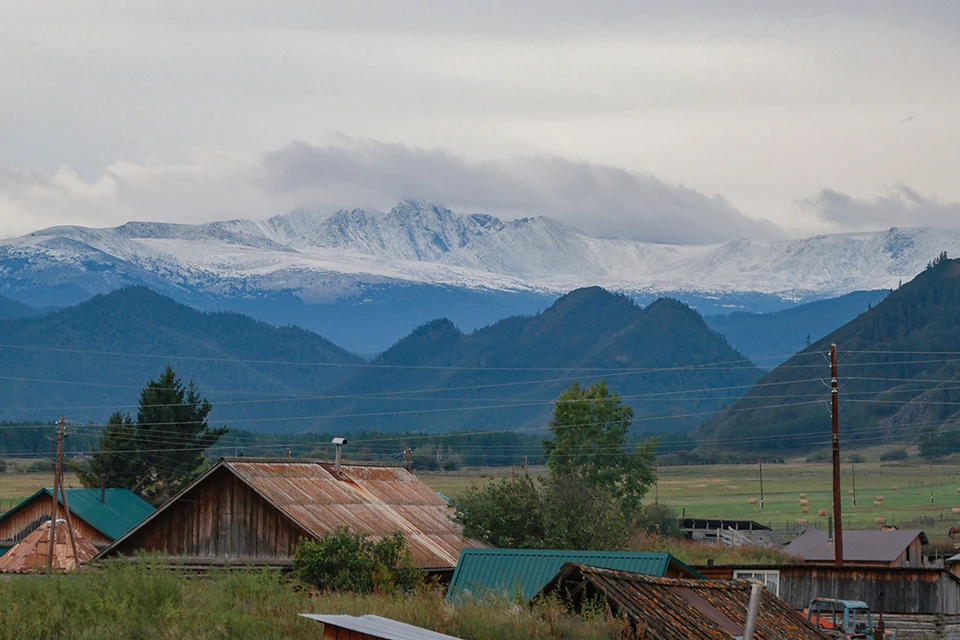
[
  {"x": 14, "y": 486},
  {"x": 725, "y": 491}
]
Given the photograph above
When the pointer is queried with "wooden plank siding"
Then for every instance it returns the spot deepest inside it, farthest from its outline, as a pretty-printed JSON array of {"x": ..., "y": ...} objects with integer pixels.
[
  {"x": 29, "y": 517},
  {"x": 219, "y": 518}
]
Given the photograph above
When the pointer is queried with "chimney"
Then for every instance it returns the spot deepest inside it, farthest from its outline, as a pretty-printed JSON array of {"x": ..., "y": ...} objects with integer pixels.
[
  {"x": 103, "y": 488},
  {"x": 338, "y": 442}
]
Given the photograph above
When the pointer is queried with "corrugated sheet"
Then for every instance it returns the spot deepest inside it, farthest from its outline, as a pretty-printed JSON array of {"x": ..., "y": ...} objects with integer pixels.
[
  {"x": 683, "y": 608},
  {"x": 32, "y": 553},
  {"x": 373, "y": 500},
  {"x": 877, "y": 545},
  {"x": 526, "y": 571},
  {"x": 122, "y": 510},
  {"x": 384, "y": 628}
]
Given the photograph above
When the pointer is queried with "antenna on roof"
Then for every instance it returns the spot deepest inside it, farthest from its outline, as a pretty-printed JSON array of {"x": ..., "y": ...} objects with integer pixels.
[{"x": 339, "y": 442}]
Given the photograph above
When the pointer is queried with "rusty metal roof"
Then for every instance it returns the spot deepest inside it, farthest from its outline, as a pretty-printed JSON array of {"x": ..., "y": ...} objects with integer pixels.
[
  {"x": 876, "y": 545},
  {"x": 375, "y": 627},
  {"x": 368, "y": 499},
  {"x": 31, "y": 553},
  {"x": 668, "y": 608}
]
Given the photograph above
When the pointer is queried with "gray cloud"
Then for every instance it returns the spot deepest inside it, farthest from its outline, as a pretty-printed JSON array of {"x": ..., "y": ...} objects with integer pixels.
[
  {"x": 599, "y": 199},
  {"x": 901, "y": 206}
]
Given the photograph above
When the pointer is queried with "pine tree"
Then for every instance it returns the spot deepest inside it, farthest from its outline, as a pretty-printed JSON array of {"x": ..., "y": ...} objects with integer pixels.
[{"x": 163, "y": 450}]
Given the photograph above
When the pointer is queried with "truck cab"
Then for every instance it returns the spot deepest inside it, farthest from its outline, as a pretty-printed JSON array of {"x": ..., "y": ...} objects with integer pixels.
[{"x": 844, "y": 619}]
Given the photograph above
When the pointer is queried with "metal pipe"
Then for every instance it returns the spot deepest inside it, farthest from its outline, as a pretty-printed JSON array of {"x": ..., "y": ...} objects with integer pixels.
[{"x": 753, "y": 611}]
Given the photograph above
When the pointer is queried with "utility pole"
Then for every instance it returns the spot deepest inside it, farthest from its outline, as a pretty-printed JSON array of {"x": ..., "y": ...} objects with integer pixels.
[
  {"x": 58, "y": 485},
  {"x": 835, "y": 428},
  {"x": 760, "y": 461},
  {"x": 853, "y": 475}
]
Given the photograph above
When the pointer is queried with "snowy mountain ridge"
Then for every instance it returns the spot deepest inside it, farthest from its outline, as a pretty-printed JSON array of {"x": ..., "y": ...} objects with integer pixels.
[{"x": 317, "y": 256}]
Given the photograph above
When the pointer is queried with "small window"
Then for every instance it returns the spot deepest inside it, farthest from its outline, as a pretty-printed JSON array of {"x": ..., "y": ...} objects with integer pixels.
[{"x": 769, "y": 579}]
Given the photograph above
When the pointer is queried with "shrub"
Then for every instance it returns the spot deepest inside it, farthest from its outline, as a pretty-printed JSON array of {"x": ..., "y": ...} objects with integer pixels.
[
  {"x": 343, "y": 561},
  {"x": 856, "y": 457},
  {"x": 3, "y": 465},
  {"x": 661, "y": 520},
  {"x": 41, "y": 466},
  {"x": 894, "y": 454}
]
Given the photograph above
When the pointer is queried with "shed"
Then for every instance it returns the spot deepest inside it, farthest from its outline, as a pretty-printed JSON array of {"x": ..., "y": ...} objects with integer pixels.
[
  {"x": 254, "y": 512},
  {"x": 101, "y": 521},
  {"x": 509, "y": 571},
  {"x": 33, "y": 552},
  {"x": 668, "y": 608},
  {"x": 886, "y": 547},
  {"x": 369, "y": 627},
  {"x": 710, "y": 529}
]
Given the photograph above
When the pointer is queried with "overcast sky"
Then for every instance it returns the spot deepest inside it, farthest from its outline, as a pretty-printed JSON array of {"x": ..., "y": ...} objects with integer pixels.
[{"x": 667, "y": 121}]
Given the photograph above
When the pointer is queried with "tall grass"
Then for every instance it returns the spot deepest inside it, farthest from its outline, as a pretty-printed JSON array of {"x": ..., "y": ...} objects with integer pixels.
[
  {"x": 145, "y": 599},
  {"x": 697, "y": 553}
]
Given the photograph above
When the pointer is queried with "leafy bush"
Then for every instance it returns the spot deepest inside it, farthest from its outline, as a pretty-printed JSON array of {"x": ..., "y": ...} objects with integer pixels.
[
  {"x": 3, "y": 465},
  {"x": 41, "y": 466},
  {"x": 819, "y": 456},
  {"x": 894, "y": 454},
  {"x": 856, "y": 457},
  {"x": 661, "y": 520},
  {"x": 343, "y": 561}
]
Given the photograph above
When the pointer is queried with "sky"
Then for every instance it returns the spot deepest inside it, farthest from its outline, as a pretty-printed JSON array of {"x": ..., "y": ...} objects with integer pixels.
[{"x": 680, "y": 122}]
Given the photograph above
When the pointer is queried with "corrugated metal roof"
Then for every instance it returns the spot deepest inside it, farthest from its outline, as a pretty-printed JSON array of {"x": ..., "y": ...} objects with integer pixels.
[
  {"x": 528, "y": 570},
  {"x": 876, "y": 545},
  {"x": 122, "y": 510},
  {"x": 31, "y": 553},
  {"x": 381, "y": 627},
  {"x": 683, "y": 608}
]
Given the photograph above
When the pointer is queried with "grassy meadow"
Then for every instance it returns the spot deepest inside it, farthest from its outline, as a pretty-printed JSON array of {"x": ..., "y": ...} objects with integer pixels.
[
  {"x": 725, "y": 491},
  {"x": 15, "y": 486}
]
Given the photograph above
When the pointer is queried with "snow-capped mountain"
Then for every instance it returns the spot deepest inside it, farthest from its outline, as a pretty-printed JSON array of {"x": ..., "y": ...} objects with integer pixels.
[{"x": 313, "y": 258}]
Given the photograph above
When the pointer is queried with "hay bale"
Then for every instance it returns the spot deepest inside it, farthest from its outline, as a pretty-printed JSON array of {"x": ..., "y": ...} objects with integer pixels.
[
  {"x": 822, "y": 513},
  {"x": 880, "y": 521},
  {"x": 804, "y": 502},
  {"x": 805, "y": 510},
  {"x": 754, "y": 501},
  {"x": 877, "y": 503},
  {"x": 956, "y": 511},
  {"x": 895, "y": 488},
  {"x": 879, "y": 498},
  {"x": 801, "y": 521},
  {"x": 803, "y": 496},
  {"x": 849, "y": 492}
]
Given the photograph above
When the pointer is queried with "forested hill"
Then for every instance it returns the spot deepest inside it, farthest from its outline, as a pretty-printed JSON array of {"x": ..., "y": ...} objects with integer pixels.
[
  {"x": 10, "y": 309},
  {"x": 899, "y": 372},
  {"x": 86, "y": 361},
  {"x": 663, "y": 359},
  {"x": 770, "y": 338}
]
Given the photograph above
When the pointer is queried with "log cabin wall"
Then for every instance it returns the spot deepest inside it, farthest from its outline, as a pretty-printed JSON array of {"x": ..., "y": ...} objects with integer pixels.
[
  {"x": 219, "y": 518},
  {"x": 28, "y": 517}
]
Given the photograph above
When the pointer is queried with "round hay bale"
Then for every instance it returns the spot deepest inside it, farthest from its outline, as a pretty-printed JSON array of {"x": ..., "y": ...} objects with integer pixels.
[
  {"x": 956, "y": 511},
  {"x": 879, "y": 498},
  {"x": 754, "y": 501},
  {"x": 801, "y": 521},
  {"x": 958, "y": 489},
  {"x": 822, "y": 513},
  {"x": 803, "y": 496},
  {"x": 880, "y": 521},
  {"x": 849, "y": 492},
  {"x": 895, "y": 488},
  {"x": 805, "y": 510},
  {"x": 804, "y": 502},
  {"x": 877, "y": 503}
]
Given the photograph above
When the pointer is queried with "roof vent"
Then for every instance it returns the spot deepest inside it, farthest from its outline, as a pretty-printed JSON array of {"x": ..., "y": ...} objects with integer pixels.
[{"x": 339, "y": 442}]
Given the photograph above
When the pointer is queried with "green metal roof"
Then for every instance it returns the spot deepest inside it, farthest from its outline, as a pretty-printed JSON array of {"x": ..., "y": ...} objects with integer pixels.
[
  {"x": 122, "y": 510},
  {"x": 509, "y": 571}
]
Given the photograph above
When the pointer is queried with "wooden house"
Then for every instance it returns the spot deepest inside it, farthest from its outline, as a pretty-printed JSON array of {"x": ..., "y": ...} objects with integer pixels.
[
  {"x": 660, "y": 608},
  {"x": 254, "y": 512},
  {"x": 98, "y": 515},
  {"x": 873, "y": 547}
]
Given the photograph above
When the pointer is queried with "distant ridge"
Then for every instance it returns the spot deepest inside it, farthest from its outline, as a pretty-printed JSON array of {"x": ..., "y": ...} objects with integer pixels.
[
  {"x": 507, "y": 375},
  {"x": 10, "y": 309},
  {"x": 900, "y": 369}
]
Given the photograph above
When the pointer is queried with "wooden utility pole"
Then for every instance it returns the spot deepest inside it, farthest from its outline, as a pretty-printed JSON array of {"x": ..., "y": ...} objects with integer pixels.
[
  {"x": 58, "y": 486},
  {"x": 761, "y": 483},
  {"x": 835, "y": 428},
  {"x": 853, "y": 476}
]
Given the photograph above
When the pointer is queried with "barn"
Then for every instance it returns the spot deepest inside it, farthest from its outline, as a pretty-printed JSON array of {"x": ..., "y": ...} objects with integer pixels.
[
  {"x": 254, "y": 512},
  {"x": 98, "y": 515}
]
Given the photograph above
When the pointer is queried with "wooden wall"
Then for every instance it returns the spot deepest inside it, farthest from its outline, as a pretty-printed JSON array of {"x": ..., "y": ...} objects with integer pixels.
[
  {"x": 26, "y": 519},
  {"x": 219, "y": 518}
]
